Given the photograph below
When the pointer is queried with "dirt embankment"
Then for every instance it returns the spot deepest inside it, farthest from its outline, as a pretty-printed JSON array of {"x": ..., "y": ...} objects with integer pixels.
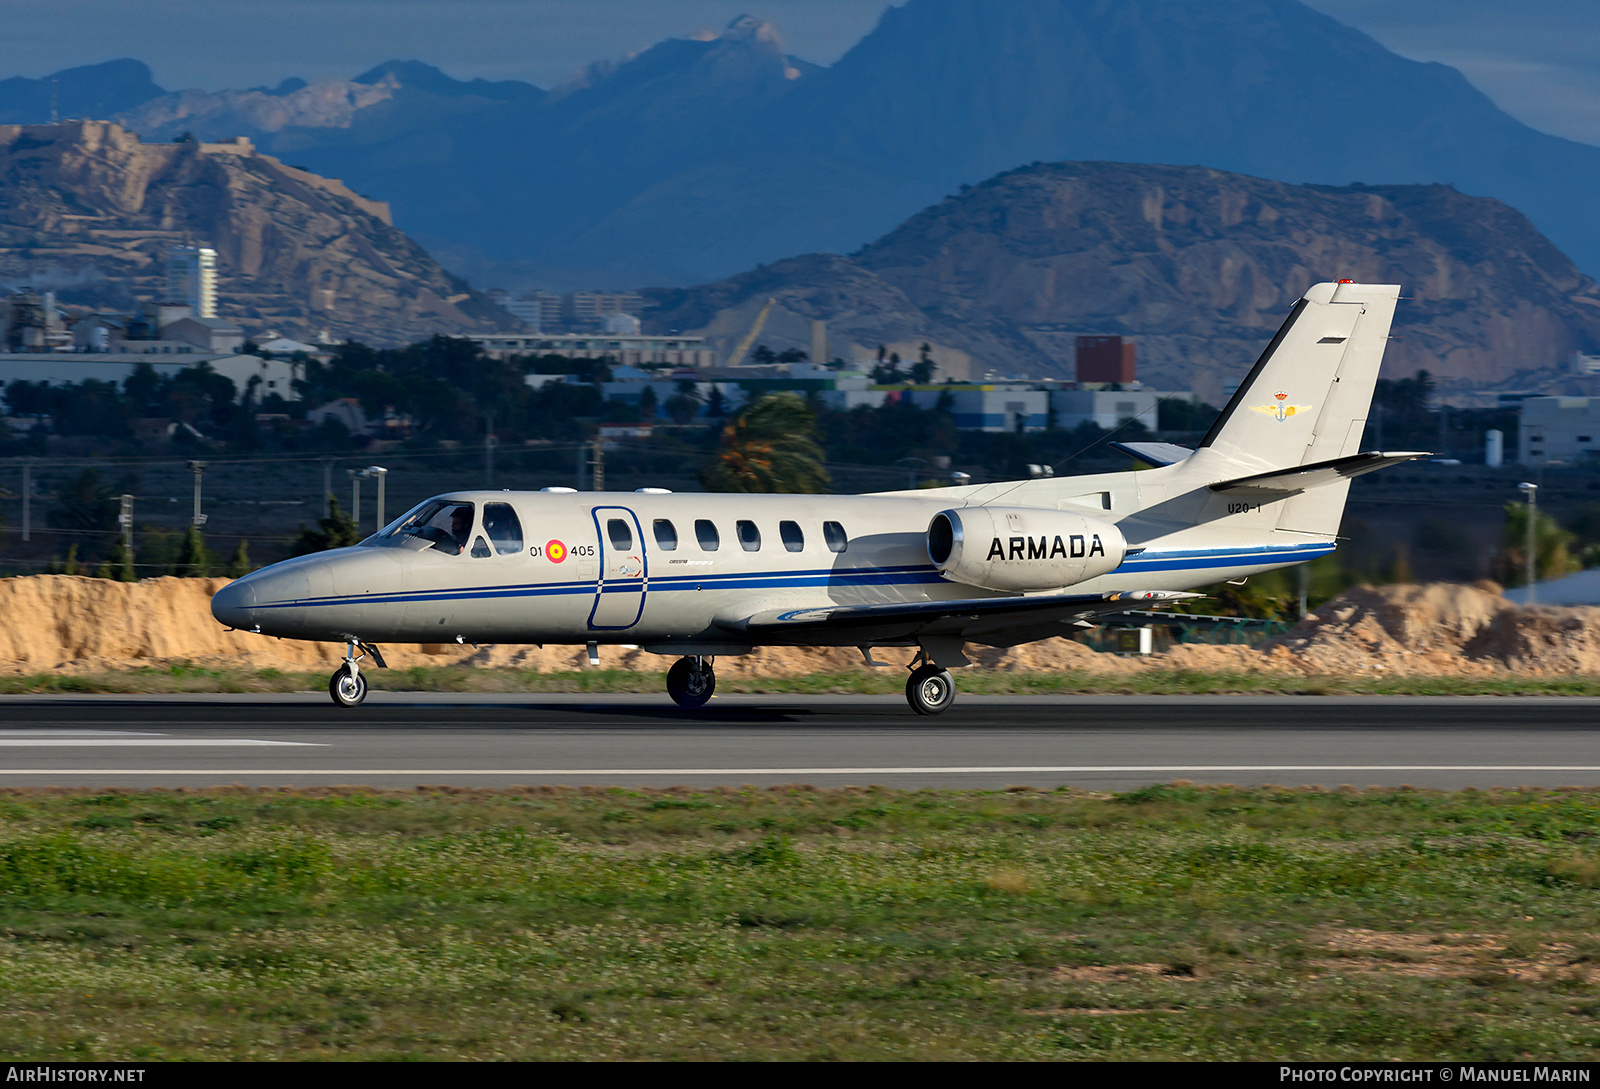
[{"x": 65, "y": 623}]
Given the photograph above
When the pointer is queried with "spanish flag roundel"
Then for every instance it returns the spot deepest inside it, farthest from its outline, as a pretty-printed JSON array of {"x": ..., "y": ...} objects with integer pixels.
[{"x": 556, "y": 551}]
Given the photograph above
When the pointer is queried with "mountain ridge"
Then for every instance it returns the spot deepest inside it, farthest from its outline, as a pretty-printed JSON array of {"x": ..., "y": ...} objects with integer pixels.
[{"x": 1197, "y": 265}]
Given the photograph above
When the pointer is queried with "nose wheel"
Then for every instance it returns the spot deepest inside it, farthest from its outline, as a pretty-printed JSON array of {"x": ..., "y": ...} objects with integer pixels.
[
  {"x": 691, "y": 682},
  {"x": 930, "y": 690},
  {"x": 347, "y": 687}
]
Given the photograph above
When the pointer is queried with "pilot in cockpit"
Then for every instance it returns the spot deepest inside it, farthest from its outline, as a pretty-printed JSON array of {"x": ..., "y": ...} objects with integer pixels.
[{"x": 461, "y": 526}]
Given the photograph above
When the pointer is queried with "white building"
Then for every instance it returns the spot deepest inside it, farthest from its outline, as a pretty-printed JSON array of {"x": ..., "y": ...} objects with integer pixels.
[
  {"x": 1558, "y": 429},
  {"x": 1106, "y": 409}
]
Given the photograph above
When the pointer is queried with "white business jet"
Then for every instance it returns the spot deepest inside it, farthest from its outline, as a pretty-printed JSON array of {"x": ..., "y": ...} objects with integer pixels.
[{"x": 702, "y": 575}]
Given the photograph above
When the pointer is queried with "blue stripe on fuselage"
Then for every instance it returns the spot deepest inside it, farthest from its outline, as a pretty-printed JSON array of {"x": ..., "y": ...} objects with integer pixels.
[{"x": 901, "y": 575}]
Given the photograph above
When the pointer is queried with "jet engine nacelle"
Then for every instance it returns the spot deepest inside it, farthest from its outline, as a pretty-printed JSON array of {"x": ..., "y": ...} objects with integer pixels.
[{"x": 1022, "y": 548}]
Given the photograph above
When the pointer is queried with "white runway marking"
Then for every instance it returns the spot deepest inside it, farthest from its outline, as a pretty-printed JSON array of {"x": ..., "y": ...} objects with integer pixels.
[
  {"x": 143, "y": 743},
  {"x": 1142, "y": 769},
  {"x": 79, "y": 733}
]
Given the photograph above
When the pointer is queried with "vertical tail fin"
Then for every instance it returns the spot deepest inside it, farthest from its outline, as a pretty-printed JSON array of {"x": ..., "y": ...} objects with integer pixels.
[{"x": 1307, "y": 397}]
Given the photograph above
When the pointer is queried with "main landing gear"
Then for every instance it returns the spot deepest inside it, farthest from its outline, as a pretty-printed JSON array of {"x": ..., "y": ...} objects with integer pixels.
[
  {"x": 347, "y": 686},
  {"x": 691, "y": 681},
  {"x": 929, "y": 690}
]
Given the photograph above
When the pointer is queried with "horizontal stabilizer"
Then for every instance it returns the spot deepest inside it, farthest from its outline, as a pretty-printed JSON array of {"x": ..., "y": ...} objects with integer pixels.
[
  {"x": 1303, "y": 477},
  {"x": 1153, "y": 453}
]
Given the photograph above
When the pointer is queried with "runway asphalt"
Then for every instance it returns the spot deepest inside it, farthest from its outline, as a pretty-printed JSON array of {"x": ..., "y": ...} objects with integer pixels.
[{"x": 402, "y": 740}]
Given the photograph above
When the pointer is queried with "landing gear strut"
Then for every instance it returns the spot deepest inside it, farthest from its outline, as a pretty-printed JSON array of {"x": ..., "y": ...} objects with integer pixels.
[
  {"x": 691, "y": 681},
  {"x": 929, "y": 690},
  {"x": 347, "y": 686}
]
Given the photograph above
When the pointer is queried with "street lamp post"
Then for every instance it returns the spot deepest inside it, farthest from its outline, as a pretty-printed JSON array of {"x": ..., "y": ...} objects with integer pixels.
[
  {"x": 355, "y": 497},
  {"x": 1532, "y": 492},
  {"x": 382, "y": 474}
]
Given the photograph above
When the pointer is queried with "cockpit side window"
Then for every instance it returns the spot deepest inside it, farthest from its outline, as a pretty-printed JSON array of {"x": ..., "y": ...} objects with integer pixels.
[
  {"x": 503, "y": 526},
  {"x": 480, "y": 548},
  {"x": 444, "y": 524}
]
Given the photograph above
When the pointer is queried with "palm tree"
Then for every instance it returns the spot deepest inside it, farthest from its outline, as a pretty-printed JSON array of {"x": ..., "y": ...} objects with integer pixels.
[{"x": 769, "y": 447}]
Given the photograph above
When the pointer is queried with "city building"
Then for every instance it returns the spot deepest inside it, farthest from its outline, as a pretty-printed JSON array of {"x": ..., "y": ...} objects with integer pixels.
[
  {"x": 1105, "y": 360},
  {"x": 192, "y": 279},
  {"x": 538, "y": 311},
  {"x": 585, "y": 309},
  {"x": 985, "y": 407},
  {"x": 208, "y": 334},
  {"x": 634, "y": 351}
]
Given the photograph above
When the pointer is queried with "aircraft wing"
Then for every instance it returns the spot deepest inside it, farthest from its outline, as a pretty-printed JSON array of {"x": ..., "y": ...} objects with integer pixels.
[
  {"x": 1301, "y": 477},
  {"x": 849, "y": 625}
]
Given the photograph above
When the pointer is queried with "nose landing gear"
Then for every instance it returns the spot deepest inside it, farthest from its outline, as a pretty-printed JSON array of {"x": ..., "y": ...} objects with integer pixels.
[
  {"x": 347, "y": 686},
  {"x": 691, "y": 681}
]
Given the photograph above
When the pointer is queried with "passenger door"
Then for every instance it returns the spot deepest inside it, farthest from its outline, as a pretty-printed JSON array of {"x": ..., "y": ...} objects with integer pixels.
[{"x": 624, "y": 574}]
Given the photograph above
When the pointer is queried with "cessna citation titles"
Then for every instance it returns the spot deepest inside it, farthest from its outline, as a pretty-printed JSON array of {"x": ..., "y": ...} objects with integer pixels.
[{"x": 700, "y": 576}]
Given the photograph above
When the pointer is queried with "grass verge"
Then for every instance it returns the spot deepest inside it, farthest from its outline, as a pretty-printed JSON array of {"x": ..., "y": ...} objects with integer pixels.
[{"x": 796, "y": 923}]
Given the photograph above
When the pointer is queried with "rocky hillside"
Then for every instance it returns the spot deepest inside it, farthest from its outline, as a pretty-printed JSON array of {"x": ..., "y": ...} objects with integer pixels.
[
  {"x": 1198, "y": 265},
  {"x": 88, "y": 209}
]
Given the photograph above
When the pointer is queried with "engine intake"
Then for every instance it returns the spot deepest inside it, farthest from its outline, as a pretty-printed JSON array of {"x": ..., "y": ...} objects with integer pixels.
[{"x": 1022, "y": 548}]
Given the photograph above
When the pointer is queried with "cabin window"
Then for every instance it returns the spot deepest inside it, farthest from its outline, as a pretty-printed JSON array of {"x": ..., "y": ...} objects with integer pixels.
[
  {"x": 666, "y": 535},
  {"x": 833, "y": 533},
  {"x": 503, "y": 526},
  {"x": 705, "y": 532},
  {"x": 620, "y": 534},
  {"x": 749, "y": 535},
  {"x": 793, "y": 539},
  {"x": 480, "y": 549}
]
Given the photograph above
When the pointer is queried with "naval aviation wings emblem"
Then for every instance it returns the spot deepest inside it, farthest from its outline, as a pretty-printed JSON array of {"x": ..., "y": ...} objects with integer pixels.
[{"x": 1280, "y": 411}]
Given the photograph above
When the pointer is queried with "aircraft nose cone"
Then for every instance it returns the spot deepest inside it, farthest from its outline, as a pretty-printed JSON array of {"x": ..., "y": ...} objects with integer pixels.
[{"x": 234, "y": 604}]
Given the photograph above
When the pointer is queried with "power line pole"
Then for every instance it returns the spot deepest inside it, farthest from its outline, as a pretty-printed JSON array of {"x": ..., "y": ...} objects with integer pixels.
[
  {"x": 355, "y": 498},
  {"x": 327, "y": 485},
  {"x": 599, "y": 466}
]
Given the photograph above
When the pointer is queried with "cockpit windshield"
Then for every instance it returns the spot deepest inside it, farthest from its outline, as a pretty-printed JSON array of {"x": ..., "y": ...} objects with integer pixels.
[{"x": 443, "y": 523}]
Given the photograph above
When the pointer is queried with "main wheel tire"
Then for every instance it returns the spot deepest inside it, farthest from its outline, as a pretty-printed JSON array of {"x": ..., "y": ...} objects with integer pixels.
[
  {"x": 930, "y": 690},
  {"x": 347, "y": 689},
  {"x": 690, "y": 687}
]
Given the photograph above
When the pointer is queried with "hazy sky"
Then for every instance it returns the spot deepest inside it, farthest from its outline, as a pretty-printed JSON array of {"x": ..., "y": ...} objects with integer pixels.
[{"x": 1536, "y": 58}]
